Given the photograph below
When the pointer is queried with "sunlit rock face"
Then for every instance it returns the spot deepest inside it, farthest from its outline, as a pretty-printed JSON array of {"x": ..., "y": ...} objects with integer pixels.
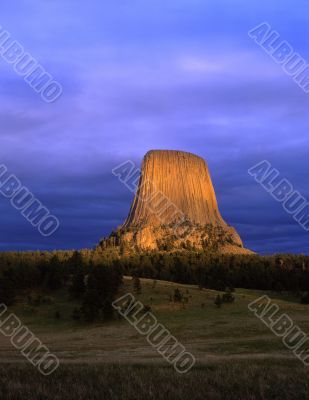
[{"x": 175, "y": 207}]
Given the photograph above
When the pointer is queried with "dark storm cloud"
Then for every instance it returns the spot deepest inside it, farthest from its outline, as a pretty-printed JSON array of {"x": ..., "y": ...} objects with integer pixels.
[{"x": 139, "y": 75}]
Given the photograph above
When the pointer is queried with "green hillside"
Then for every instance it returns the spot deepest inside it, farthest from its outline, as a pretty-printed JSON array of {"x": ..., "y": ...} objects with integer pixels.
[{"x": 212, "y": 334}]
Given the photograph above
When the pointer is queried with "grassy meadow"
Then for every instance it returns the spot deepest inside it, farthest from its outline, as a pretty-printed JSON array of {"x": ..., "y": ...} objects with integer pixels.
[{"x": 237, "y": 356}]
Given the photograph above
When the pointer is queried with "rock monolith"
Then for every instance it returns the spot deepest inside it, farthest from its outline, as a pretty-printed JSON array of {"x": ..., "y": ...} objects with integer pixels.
[{"x": 175, "y": 207}]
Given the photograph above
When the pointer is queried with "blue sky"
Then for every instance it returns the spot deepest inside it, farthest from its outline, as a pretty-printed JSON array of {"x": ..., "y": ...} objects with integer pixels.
[{"x": 141, "y": 75}]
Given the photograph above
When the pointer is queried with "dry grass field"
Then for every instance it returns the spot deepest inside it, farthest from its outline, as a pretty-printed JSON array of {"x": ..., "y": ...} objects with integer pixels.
[
  {"x": 236, "y": 354},
  {"x": 241, "y": 380}
]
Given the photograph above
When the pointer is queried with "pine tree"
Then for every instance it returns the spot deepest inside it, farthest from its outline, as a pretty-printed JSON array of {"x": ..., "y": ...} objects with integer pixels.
[
  {"x": 177, "y": 296},
  {"x": 137, "y": 285},
  {"x": 218, "y": 301},
  {"x": 78, "y": 287}
]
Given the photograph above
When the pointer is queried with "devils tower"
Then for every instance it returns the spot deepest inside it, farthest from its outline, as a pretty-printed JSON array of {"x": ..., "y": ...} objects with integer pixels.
[{"x": 175, "y": 207}]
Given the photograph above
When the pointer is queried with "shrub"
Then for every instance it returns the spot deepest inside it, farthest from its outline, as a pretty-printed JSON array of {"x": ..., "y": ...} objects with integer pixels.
[
  {"x": 218, "y": 301},
  {"x": 305, "y": 298},
  {"x": 76, "y": 314},
  {"x": 178, "y": 296},
  {"x": 228, "y": 297},
  {"x": 57, "y": 314}
]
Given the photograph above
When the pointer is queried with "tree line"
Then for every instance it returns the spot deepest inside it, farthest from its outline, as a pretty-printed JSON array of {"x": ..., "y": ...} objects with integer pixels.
[
  {"x": 93, "y": 277},
  {"x": 284, "y": 272},
  {"x": 94, "y": 285}
]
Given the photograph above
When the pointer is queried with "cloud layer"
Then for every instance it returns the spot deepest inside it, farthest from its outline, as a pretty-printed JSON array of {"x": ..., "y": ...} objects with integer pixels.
[{"x": 152, "y": 75}]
